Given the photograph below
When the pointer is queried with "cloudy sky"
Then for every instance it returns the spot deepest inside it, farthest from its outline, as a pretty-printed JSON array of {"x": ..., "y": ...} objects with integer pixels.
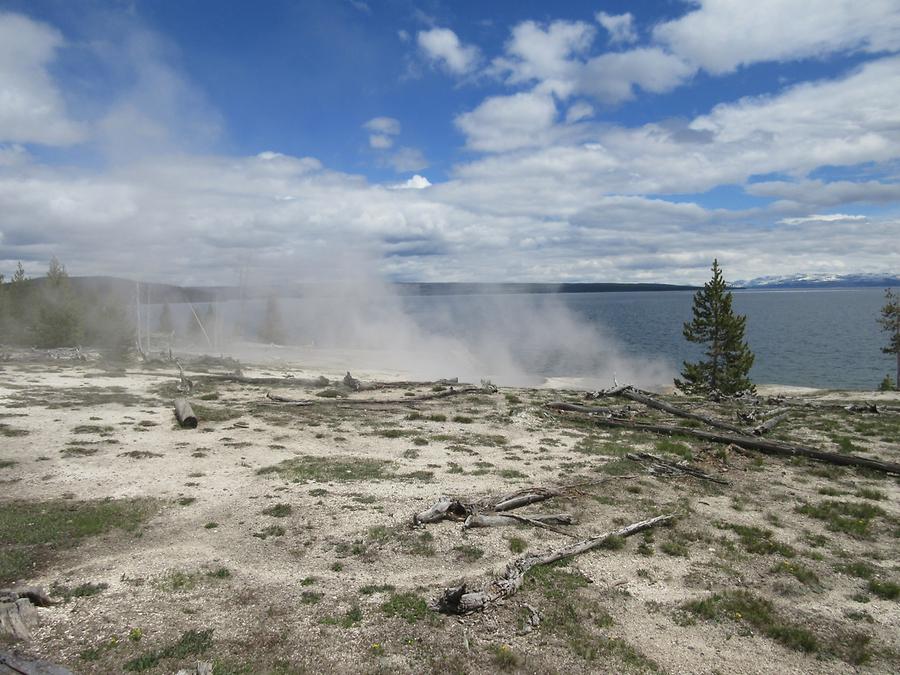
[{"x": 193, "y": 142}]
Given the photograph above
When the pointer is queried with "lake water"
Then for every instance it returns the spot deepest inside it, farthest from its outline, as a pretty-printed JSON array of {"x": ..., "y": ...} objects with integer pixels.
[{"x": 816, "y": 338}]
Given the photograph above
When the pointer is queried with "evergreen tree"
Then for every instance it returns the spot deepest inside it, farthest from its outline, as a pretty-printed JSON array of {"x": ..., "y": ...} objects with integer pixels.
[
  {"x": 58, "y": 321},
  {"x": 4, "y": 311},
  {"x": 728, "y": 358},
  {"x": 272, "y": 330},
  {"x": 890, "y": 323}
]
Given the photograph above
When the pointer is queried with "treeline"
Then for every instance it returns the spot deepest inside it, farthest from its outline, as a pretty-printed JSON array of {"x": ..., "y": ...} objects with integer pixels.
[{"x": 47, "y": 313}]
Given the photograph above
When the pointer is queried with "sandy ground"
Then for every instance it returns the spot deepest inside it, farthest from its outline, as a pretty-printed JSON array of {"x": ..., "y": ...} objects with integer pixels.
[{"x": 288, "y": 601}]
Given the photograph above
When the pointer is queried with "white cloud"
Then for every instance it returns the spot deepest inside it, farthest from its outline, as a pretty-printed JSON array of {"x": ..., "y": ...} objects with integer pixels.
[
  {"x": 382, "y": 128},
  {"x": 383, "y": 125},
  {"x": 407, "y": 159},
  {"x": 823, "y": 218},
  {"x": 619, "y": 26},
  {"x": 819, "y": 193},
  {"x": 417, "y": 182},
  {"x": 613, "y": 77},
  {"x": 721, "y": 35},
  {"x": 579, "y": 111},
  {"x": 31, "y": 106},
  {"x": 442, "y": 46},
  {"x": 504, "y": 123}
]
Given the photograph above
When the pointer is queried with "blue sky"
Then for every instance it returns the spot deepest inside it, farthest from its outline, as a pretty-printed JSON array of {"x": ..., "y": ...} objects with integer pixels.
[{"x": 468, "y": 141}]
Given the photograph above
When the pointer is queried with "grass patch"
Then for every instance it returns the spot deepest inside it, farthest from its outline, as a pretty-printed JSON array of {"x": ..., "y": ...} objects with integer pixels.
[
  {"x": 278, "y": 510},
  {"x": 85, "y": 590},
  {"x": 469, "y": 553},
  {"x": 33, "y": 533},
  {"x": 463, "y": 419},
  {"x": 675, "y": 448},
  {"x": 758, "y": 540},
  {"x": 6, "y": 463},
  {"x": 191, "y": 643},
  {"x": 407, "y": 606},
  {"x": 800, "y": 572},
  {"x": 853, "y": 518},
  {"x": 517, "y": 545},
  {"x": 349, "y": 619},
  {"x": 886, "y": 590},
  {"x": 270, "y": 531},
  {"x": 324, "y": 469},
  {"x": 12, "y": 432},
  {"x": 139, "y": 454},
  {"x": 743, "y": 606},
  {"x": 371, "y": 589},
  {"x": 218, "y": 413}
]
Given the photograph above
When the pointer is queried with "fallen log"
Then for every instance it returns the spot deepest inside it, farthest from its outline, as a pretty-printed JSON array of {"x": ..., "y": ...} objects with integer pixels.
[
  {"x": 753, "y": 443},
  {"x": 386, "y": 401},
  {"x": 184, "y": 414},
  {"x": 459, "y": 600},
  {"x": 638, "y": 396},
  {"x": 670, "y": 467},
  {"x": 586, "y": 409},
  {"x": 16, "y": 663},
  {"x": 447, "y": 508},
  {"x": 777, "y": 418},
  {"x": 505, "y": 519}
]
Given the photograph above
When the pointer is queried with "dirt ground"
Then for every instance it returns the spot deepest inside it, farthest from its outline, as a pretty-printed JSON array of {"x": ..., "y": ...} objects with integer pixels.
[{"x": 279, "y": 538}]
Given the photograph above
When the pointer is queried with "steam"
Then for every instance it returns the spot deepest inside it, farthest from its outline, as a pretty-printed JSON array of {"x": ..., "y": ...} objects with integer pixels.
[{"x": 367, "y": 325}]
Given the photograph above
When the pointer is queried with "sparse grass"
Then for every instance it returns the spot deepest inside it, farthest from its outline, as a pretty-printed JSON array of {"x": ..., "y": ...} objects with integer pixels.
[
  {"x": 743, "y": 606},
  {"x": 800, "y": 572},
  {"x": 675, "y": 448},
  {"x": 33, "y": 532},
  {"x": 219, "y": 573},
  {"x": 331, "y": 393},
  {"x": 310, "y": 597},
  {"x": 469, "y": 553},
  {"x": 186, "y": 501},
  {"x": 218, "y": 413},
  {"x": 758, "y": 540},
  {"x": 858, "y": 568},
  {"x": 270, "y": 531},
  {"x": 6, "y": 463},
  {"x": 12, "y": 432},
  {"x": 277, "y": 510},
  {"x": 78, "y": 451},
  {"x": 191, "y": 643},
  {"x": 504, "y": 658},
  {"x": 407, "y": 606},
  {"x": 463, "y": 419},
  {"x": 139, "y": 454},
  {"x": 870, "y": 493},
  {"x": 84, "y": 590},
  {"x": 325, "y": 469},
  {"x": 853, "y": 518},
  {"x": 349, "y": 619},
  {"x": 418, "y": 544},
  {"x": 211, "y": 525},
  {"x": 517, "y": 545},
  {"x": 92, "y": 429},
  {"x": 886, "y": 590}
]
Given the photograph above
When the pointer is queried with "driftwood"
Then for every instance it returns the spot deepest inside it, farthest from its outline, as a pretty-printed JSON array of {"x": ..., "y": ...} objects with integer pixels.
[
  {"x": 543, "y": 521},
  {"x": 460, "y": 600},
  {"x": 778, "y": 416},
  {"x": 642, "y": 397},
  {"x": 385, "y": 401},
  {"x": 16, "y": 663},
  {"x": 185, "y": 414},
  {"x": 753, "y": 443},
  {"x": 447, "y": 508},
  {"x": 661, "y": 465},
  {"x": 587, "y": 409}
]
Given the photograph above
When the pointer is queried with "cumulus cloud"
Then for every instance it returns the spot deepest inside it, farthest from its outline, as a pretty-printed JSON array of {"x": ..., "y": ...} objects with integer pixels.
[
  {"x": 619, "y": 26},
  {"x": 407, "y": 159},
  {"x": 504, "y": 123},
  {"x": 32, "y": 109},
  {"x": 417, "y": 182},
  {"x": 721, "y": 35},
  {"x": 822, "y": 218},
  {"x": 443, "y": 47}
]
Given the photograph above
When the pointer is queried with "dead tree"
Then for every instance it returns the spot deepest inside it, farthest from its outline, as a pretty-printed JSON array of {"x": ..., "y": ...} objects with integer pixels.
[
  {"x": 460, "y": 600},
  {"x": 184, "y": 414}
]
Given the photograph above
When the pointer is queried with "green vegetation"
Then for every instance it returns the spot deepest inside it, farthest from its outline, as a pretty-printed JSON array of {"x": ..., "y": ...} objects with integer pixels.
[
  {"x": 886, "y": 590},
  {"x": 890, "y": 324},
  {"x": 278, "y": 510},
  {"x": 325, "y": 469},
  {"x": 34, "y": 532},
  {"x": 191, "y": 643},
  {"x": 759, "y": 541},
  {"x": 469, "y": 553},
  {"x": 853, "y": 518},
  {"x": 728, "y": 358},
  {"x": 407, "y": 606}
]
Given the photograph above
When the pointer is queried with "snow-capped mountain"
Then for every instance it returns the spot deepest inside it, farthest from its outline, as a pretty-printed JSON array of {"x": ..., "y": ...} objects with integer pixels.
[{"x": 880, "y": 280}]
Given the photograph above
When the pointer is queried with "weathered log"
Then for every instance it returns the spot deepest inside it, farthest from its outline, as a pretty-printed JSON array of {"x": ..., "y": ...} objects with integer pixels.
[
  {"x": 777, "y": 418},
  {"x": 35, "y": 594},
  {"x": 184, "y": 414},
  {"x": 587, "y": 409},
  {"x": 444, "y": 509},
  {"x": 407, "y": 400},
  {"x": 16, "y": 663},
  {"x": 284, "y": 399},
  {"x": 17, "y": 618},
  {"x": 670, "y": 467},
  {"x": 753, "y": 443},
  {"x": 459, "y": 600},
  {"x": 505, "y": 519},
  {"x": 638, "y": 396}
]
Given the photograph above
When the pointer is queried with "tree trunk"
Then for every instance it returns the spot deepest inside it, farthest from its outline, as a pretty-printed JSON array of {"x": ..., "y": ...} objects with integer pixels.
[{"x": 185, "y": 414}]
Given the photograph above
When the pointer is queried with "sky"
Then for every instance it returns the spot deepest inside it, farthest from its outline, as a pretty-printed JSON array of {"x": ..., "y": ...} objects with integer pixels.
[{"x": 209, "y": 141}]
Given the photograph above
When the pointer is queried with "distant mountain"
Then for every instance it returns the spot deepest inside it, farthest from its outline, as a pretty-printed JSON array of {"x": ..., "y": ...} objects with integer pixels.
[{"x": 883, "y": 280}]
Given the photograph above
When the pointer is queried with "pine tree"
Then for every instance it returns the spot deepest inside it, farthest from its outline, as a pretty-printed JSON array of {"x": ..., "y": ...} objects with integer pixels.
[
  {"x": 890, "y": 323},
  {"x": 728, "y": 358},
  {"x": 59, "y": 317}
]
